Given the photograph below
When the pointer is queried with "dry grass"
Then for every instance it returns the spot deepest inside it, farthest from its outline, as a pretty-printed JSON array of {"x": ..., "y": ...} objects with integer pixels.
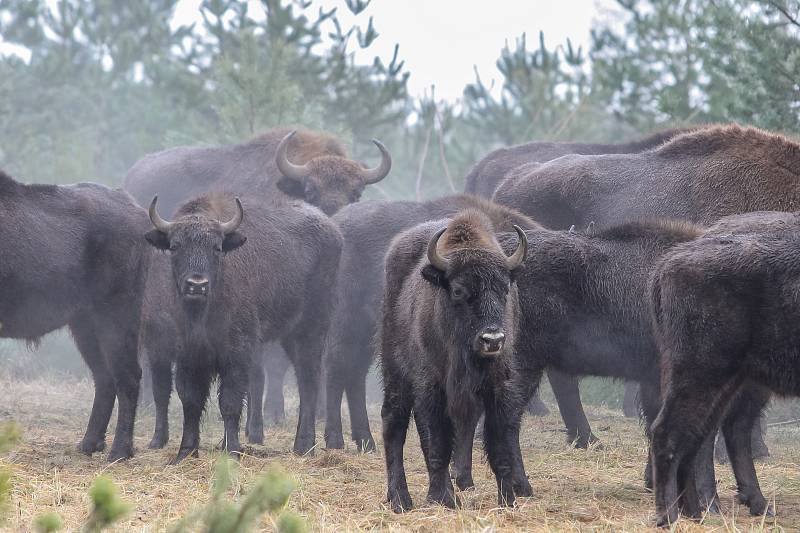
[{"x": 596, "y": 490}]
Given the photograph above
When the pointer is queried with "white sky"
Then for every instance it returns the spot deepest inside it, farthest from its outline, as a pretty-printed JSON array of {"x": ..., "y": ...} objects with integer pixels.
[{"x": 442, "y": 41}]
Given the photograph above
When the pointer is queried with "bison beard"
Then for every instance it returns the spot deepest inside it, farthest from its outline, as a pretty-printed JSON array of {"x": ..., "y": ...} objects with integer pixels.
[{"x": 461, "y": 302}]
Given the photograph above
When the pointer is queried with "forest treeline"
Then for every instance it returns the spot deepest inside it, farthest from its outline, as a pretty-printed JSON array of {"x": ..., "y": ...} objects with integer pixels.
[{"x": 103, "y": 82}]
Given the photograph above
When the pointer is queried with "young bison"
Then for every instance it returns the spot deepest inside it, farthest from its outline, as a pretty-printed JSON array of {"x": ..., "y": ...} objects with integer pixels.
[
  {"x": 446, "y": 341},
  {"x": 725, "y": 311},
  {"x": 222, "y": 307}
]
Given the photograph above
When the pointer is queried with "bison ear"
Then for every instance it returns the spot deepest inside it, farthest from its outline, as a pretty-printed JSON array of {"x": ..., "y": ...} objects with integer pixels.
[
  {"x": 158, "y": 239},
  {"x": 292, "y": 187},
  {"x": 233, "y": 241},
  {"x": 434, "y": 276}
]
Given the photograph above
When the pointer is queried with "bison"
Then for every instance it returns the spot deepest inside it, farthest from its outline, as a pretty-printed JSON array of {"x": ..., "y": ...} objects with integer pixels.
[
  {"x": 279, "y": 164},
  {"x": 73, "y": 256},
  {"x": 446, "y": 341},
  {"x": 699, "y": 176},
  {"x": 367, "y": 229},
  {"x": 489, "y": 172},
  {"x": 584, "y": 310},
  {"x": 725, "y": 313},
  {"x": 226, "y": 305}
]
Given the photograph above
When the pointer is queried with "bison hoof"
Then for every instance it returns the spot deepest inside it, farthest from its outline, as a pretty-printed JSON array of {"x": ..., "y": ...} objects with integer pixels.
[
  {"x": 465, "y": 482},
  {"x": 400, "y": 501},
  {"x": 334, "y": 441},
  {"x": 757, "y": 504},
  {"x": 760, "y": 451},
  {"x": 119, "y": 455},
  {"x": 506, "y": 499},
  {"x": 158, "y": 442},
  {"x": 183, "y": 453},
  {"x": 523, "y": 488},
  {"x": 255, "y": 437},
  {"x": 304, "y": 446},
  {"x": 665, "y": 520},
  {"x": 88, "y": 447},
  {"x": 446, "y": 497},
  {"x": 583, "y": 443}
]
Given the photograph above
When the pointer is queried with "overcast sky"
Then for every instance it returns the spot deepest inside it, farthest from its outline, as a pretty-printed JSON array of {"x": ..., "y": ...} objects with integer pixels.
[{"x": 442, "y": 41}]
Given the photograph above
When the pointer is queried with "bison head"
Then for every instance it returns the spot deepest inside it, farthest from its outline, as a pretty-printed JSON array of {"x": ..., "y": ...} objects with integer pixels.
[
  {"x": 195, "y": 243},
  {"x": 328, "y": 182},
  {"x": 477, "y": 281}
]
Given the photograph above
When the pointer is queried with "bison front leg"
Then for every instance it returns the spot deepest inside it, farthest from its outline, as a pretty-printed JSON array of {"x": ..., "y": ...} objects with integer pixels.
[
  {"x": 233, "y": 386},
  {"x": 396, "y": 414},
  {"x": 498, "y": 436},
  {"x": 436, "y": 438},
  {"x": 276, "y": 365},
  {"x": 161, "y": 376},
  {"x": 254, "y": 426},
  {"x": 462, "y": 452},
  {"x": 120, "y": 348},
  {"x": 193, "y": 385}
]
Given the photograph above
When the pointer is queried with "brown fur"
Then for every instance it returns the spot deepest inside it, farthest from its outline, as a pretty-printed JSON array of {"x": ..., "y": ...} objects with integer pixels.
[
  {"x": 306, "y": 144},
  {"x": 468, "y": 230}
]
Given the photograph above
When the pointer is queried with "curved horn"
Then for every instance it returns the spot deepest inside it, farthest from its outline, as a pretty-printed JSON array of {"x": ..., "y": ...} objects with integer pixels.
[
  {"x": 374, "y": 175},
  {"x": 287, "y": 168},
  {"x": 515, "y": 260},
  {"x": 159, "y": 223},
  {"x": 433, "y": 254},
  {"x": 233, "y": 224}
]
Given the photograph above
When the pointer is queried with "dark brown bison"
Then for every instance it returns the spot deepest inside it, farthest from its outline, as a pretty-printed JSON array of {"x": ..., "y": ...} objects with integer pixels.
[
  {"x": 697, "y": 176},
  {"x": 74, "y": 256},
  {"x": 226, "y": 304},
  {"x": 584, "y": 310},
  {"x": 489, "y": 172},
  {"x": 725, "y": 312},
  {"x": 368, "y": 228},
  {"x": 446, "y": 342},
  {"x": 279, "y": 164}
]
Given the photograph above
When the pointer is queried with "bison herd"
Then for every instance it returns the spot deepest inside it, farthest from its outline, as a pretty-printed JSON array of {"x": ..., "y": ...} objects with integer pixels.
[{"x": 672, "y": 262}]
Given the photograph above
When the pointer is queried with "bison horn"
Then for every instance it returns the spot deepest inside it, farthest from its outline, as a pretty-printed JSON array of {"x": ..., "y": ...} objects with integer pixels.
[
  {"x": 433, "y": 253},
  {"x": 287, "y": 168},
  {"x": 374, "y": 175},
  {"x": 515, "y": 260},
  {"x": 159, "y": 223},
  {"x": 233, "y": 224}
]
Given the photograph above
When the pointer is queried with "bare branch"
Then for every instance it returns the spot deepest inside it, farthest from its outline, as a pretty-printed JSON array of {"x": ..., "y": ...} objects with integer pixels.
[{"x": 422, "y": 163}]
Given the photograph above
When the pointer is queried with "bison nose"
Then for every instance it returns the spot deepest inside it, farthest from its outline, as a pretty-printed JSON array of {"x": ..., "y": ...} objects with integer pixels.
[
  {"x": 492, "y": 341},
  {"x": 196, "y": 286}
]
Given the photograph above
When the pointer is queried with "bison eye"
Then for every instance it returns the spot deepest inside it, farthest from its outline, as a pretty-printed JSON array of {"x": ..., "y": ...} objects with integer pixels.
[
  {"x": 218, "y": 248},
  {"x": 458, "y": 293},
  {"x": 173, "y": 247}
]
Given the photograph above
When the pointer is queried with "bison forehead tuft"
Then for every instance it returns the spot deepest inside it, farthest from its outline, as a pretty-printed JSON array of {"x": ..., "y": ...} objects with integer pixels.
[
  {"x": 469, "y": 229},
  {"x": 339, "y": 169}
]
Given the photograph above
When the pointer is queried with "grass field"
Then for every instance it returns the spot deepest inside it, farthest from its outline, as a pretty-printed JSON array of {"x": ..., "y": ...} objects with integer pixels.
[{"x": 595, "y": 490}]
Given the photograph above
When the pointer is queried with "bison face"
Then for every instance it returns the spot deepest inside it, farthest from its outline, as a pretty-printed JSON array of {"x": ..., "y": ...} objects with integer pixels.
[
  {"x": 195, "y": 244},
  {"x": 477, "y": 284},
  {"x": 328, "y": 182}
]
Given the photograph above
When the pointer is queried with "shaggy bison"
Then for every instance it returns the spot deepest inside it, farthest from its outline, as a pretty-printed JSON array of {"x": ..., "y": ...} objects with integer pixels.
[
  {"x": 446, "y": 349},
  {"x": 74, "y": 256},
  {"x": 725, "y": 312},
  {"x": 489, "y": 172},
  {"x": 584, "y": 310},
  {"x": 278, "y": 164},
  {"x": 368, "y": 228},
  {"x": 225, "y": 305},
  {"x": 699, "y": 176}
]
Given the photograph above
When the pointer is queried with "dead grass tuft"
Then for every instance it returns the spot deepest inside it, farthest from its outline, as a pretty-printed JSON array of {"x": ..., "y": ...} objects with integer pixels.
[{"x": 595, "y": 490}]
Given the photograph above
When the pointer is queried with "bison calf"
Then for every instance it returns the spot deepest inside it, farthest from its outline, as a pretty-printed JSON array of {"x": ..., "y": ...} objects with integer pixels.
[
  {"x": 446, "y": 341},
  {"x": 725, "y": 312},
  {"x": 225, "y": 307}
]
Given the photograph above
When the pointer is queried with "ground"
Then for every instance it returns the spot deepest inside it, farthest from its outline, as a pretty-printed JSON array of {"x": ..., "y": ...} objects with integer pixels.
[{"x": 596, "y": 490}]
